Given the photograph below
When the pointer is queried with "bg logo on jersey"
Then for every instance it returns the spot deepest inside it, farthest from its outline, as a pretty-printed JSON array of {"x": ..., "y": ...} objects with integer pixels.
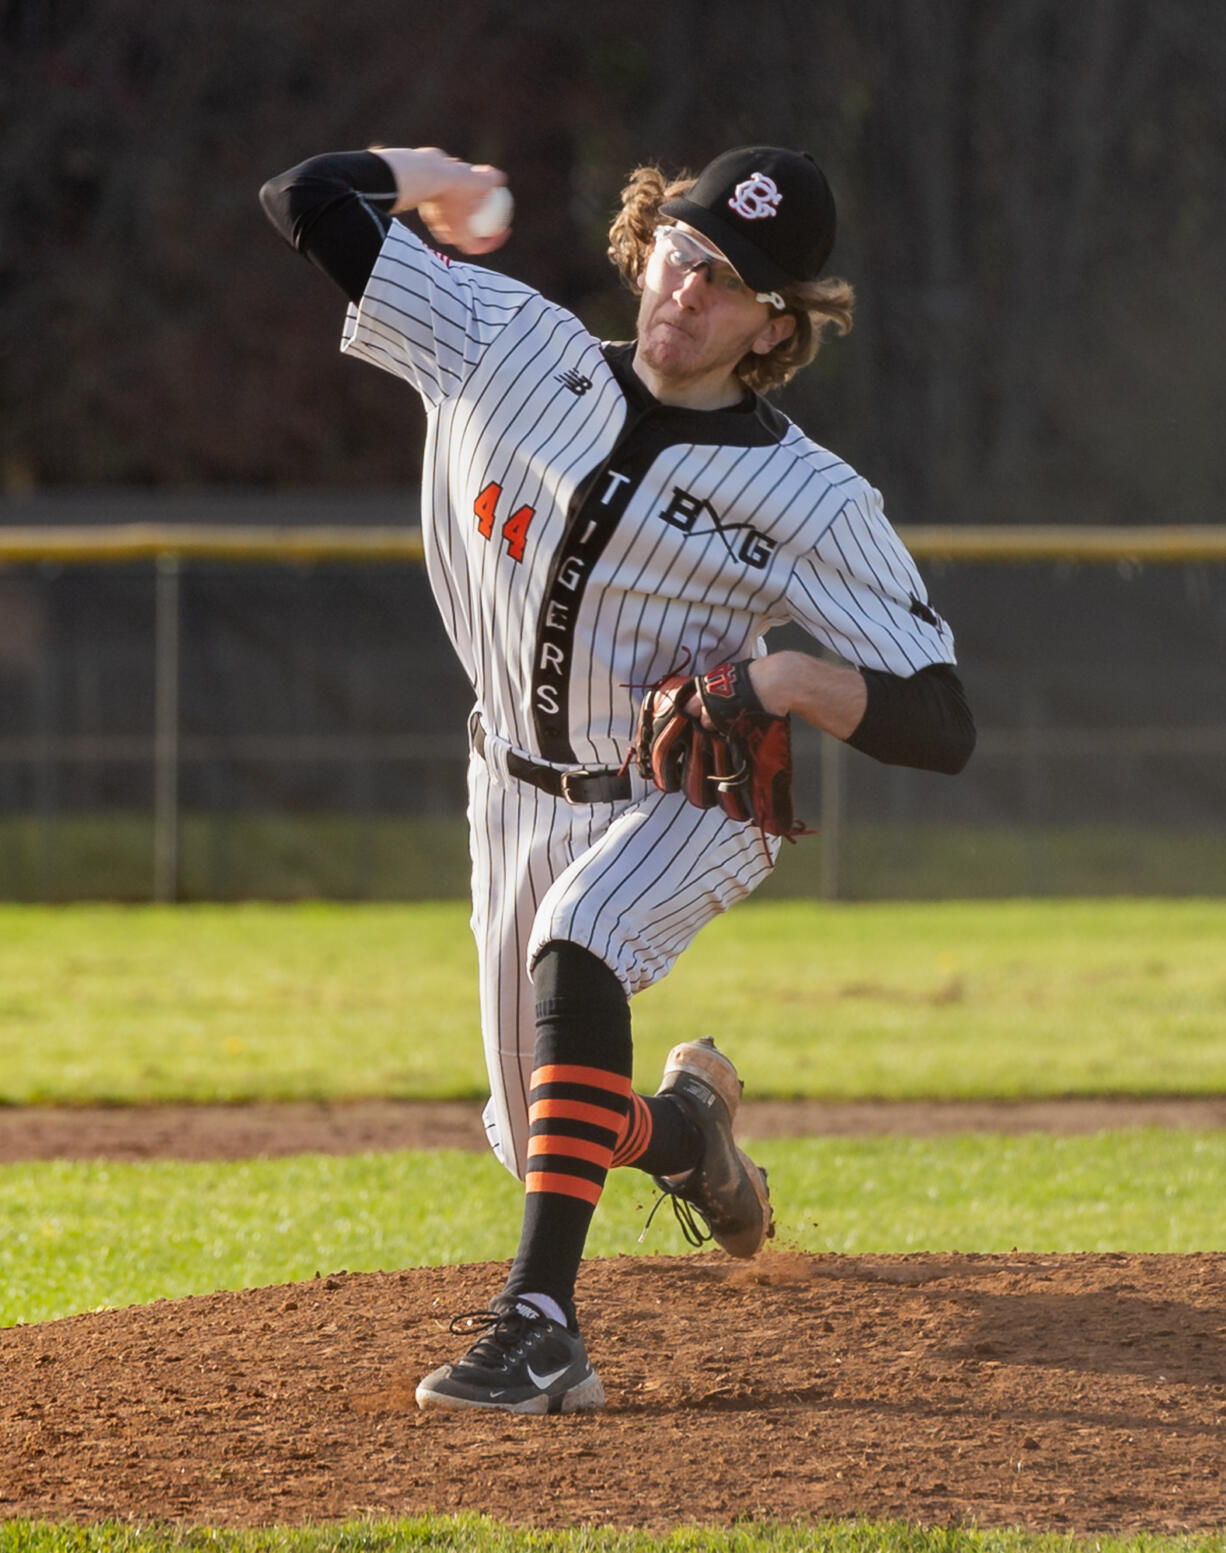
[{"x": 684, "y": 511}]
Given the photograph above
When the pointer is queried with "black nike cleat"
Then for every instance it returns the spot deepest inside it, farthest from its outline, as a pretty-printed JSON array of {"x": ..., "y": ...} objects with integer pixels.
[
  {"x": 726, "y": 1189},
  {"x": 521, "y": 1363}
]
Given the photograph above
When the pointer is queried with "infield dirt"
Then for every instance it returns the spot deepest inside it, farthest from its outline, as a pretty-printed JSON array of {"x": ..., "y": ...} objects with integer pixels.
[
  {"x": 1069, "y": 1393},
  {"x": 254, "y": 1129}
]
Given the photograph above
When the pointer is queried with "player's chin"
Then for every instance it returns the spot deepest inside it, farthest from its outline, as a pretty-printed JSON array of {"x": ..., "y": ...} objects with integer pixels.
[{"x": 668, "y": 351}]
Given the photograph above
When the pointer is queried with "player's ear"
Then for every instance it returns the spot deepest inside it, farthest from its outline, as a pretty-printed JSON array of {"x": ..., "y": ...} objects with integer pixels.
[{"x": 773, "y": 332}]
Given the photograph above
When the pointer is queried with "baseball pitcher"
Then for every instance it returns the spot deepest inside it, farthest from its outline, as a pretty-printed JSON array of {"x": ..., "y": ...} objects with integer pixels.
[{"x": 609, "y": 531}]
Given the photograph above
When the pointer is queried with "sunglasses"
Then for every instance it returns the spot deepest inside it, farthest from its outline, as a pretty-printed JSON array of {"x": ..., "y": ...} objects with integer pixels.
[{"x": 682, "y": 251}]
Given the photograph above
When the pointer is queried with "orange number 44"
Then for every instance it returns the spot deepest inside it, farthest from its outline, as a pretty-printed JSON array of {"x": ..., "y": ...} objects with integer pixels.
[{"x": 514, "y": 530}]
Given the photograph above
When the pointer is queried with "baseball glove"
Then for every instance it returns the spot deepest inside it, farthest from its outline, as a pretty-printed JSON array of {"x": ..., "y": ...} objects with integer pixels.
[{"x": 743, "y": 763}]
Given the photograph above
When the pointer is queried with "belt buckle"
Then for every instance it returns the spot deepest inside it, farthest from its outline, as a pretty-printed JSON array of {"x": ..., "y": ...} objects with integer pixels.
[{"x": 574, "y": 775}]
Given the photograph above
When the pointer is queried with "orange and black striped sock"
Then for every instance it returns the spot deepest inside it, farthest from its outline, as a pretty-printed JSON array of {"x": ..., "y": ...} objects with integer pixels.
[
  {"x": 575, "y": 1116},
  {"x": 577, "y": 1104},
  {"x": 658, "y": 1137}
]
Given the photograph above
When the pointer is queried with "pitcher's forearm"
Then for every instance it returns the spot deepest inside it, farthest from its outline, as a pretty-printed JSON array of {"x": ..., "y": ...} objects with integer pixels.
[
  {"x": 920, "y": 720},
  {"x": 829, "y": 695}
]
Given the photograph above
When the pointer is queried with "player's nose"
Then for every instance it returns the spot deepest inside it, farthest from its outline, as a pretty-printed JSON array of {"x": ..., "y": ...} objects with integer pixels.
[{"x": 691, "y": 288}]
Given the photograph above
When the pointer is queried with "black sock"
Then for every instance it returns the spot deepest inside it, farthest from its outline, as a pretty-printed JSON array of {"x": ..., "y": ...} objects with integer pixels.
[{"x": 577, "y": 1106}]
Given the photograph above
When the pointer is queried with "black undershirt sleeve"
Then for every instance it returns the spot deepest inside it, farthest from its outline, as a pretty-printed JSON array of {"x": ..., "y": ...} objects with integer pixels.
[
  {"x": 334, "y": 209},
  {"x": 922, "y": 721}
]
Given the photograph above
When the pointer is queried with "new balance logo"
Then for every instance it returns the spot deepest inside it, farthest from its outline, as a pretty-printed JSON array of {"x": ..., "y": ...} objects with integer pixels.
[
  {"x": 575, "y": 381},
  {"x": 927, "y": 614}
]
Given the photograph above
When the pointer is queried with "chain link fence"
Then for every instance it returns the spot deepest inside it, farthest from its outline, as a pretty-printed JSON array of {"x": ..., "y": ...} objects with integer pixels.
[{"x": 195, "y": 712}]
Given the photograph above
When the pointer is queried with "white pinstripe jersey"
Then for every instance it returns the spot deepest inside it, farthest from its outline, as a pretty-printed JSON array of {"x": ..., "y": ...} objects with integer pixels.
[{"x": 581, "y": 538}]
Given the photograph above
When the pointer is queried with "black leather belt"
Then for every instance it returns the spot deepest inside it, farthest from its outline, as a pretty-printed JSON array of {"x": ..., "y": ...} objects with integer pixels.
[{"x": 577, "y": 786}]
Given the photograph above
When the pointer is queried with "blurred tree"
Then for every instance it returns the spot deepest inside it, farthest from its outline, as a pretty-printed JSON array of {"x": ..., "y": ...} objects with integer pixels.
[{"x": 1031, "y": 202}]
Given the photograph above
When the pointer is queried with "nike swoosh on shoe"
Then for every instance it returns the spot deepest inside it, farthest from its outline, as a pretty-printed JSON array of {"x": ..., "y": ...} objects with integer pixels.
[{"x": 545, "y": 1381}]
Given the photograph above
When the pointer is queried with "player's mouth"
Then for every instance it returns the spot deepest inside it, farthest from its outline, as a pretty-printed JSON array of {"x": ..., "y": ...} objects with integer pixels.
[{"x": 677, "y": 325}]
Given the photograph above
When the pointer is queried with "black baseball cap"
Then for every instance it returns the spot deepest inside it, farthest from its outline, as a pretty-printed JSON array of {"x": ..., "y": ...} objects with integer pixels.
[{"x": 768, "y": 210}]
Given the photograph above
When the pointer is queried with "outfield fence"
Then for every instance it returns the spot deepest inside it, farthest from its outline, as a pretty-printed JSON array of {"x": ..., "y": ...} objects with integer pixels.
[{"x": 196, "y": 710}]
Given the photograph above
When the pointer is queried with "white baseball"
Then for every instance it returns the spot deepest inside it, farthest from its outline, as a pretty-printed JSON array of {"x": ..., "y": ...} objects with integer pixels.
[{"x": 493, "y": 214}]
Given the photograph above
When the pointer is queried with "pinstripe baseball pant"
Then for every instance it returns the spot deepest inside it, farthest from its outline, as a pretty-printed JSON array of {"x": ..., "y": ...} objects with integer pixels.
[{"x": 631, "y": 882}]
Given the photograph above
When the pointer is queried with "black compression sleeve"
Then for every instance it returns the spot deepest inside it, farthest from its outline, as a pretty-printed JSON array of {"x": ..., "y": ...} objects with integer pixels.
[
  {"x": 922, "y": 721},
  {"x": 335, "y": 210}
]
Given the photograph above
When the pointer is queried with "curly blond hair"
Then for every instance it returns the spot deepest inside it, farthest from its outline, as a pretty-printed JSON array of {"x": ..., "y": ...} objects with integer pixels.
[{"x": 814, "y": 303}]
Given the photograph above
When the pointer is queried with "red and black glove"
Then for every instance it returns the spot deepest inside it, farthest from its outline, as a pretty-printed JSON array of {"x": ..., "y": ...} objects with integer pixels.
[{"x": 743, "y": 762}]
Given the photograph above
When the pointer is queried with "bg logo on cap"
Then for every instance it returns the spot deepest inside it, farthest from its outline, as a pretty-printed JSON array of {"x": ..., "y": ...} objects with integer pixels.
[{"x": 756, "y": 198}]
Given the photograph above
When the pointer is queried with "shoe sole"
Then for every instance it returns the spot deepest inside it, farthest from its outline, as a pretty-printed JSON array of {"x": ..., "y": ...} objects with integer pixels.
[
  {"x": 757, "y": 1179},
  {"x": 587, "y": 1396}
]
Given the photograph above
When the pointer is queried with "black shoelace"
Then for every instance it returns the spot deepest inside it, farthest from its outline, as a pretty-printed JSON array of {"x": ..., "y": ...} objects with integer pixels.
[
  {"x": 500, "y": 1331},
  {"x": 692, "y": 1221}
]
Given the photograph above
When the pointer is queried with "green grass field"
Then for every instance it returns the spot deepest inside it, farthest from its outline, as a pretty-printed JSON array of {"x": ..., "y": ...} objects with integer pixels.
[
  {"x": 81, "y": 1236},
  {"x": 476, "y": 1534},
  {"x": 1005, "y": 998},
  {"x": 1009, "y": 998},
  {"x": 1000, "y": 998},
  {"x": 109, "y": 855}
]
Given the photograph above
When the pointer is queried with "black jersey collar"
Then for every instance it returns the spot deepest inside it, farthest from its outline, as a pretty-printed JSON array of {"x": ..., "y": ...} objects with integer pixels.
[{"x": 749, "y": 424}]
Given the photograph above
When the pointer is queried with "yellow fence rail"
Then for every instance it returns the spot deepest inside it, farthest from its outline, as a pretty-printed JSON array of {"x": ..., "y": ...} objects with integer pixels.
[
  {"x": 207, "y": 542},
  {"x": 169, "y": 547},
  {"x": 228, "y": 542}
]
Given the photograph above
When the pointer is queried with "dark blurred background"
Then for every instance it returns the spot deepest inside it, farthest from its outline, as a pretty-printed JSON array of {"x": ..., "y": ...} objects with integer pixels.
[{"x": 1032, "y": 199}]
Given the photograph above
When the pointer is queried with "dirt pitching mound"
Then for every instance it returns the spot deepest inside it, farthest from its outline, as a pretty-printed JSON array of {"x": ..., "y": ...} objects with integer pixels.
[{"x": 1052, "y": 1392}]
